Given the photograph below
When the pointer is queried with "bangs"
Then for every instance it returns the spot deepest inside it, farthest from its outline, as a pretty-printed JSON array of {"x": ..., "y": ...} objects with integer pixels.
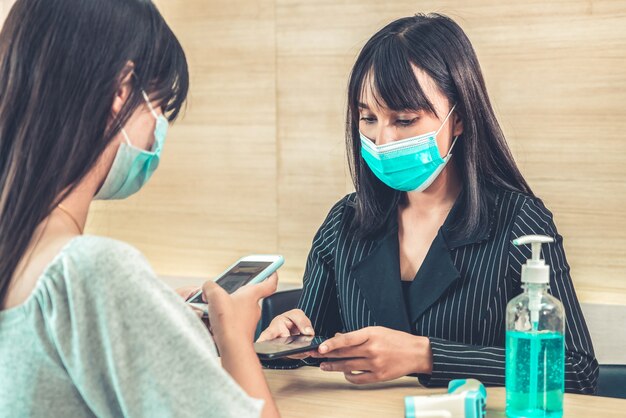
[
  {"x": 171, "y": 88},
  {"x": 167, "y": 73},
  {"x": 391, "y": 81}
]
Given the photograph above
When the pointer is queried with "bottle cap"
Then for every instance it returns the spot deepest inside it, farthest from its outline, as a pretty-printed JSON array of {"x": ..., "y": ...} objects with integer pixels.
[{"x": 535, "y": 270}]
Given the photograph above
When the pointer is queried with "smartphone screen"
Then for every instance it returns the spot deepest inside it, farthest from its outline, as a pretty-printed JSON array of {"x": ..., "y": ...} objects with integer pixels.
[
  {"x": 281, "y": 347},
  {"x": 238, "y": 276}
]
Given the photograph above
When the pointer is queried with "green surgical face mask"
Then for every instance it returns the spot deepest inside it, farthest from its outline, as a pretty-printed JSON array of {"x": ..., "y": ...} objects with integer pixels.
[
  {"x": 133, "y": 167},
  {"x": 408, "y": 165}
]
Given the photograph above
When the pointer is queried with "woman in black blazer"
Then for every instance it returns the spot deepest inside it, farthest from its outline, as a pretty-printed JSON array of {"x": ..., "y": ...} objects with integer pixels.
[{"x": 412, "y": 273}]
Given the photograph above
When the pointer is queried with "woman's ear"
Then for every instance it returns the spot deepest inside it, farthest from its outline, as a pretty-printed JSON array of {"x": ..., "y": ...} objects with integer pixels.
[
  {"x": 457, "y": 127},
  {"x": 124, "y": 89}
]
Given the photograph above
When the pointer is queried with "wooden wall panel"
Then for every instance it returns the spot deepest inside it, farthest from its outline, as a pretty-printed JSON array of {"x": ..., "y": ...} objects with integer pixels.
[
  {"x": 214, "y": 198},
  {"x": 557, "y": 82},
  {"x": 554, "y": 72},
  {"x": 259, "y": 158}
]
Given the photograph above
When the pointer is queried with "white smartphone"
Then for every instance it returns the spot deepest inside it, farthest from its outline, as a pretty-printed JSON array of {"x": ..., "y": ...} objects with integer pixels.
[{"x": 247, "y": 270}]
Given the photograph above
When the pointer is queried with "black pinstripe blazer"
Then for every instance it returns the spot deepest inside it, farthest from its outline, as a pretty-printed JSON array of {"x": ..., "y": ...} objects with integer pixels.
[{"x": 458, "y": 297}]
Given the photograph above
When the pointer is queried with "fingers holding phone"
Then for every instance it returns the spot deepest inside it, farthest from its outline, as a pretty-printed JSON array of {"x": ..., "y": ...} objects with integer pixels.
[
  {"x": 234, "y": 317},
  {"x": 291, "y": 323},
  {"x": 289, "y": 347},
  {"x": 260, "y": 290},
  {"x": 246, "y": 271}
]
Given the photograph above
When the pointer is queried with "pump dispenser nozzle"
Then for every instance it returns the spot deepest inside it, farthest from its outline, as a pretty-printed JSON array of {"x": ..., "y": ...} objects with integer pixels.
[{"x": 535, "y": 270}]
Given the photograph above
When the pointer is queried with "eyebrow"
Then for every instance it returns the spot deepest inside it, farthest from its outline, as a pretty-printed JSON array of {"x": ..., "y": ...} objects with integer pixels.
[{"x": 363, "y": 106}]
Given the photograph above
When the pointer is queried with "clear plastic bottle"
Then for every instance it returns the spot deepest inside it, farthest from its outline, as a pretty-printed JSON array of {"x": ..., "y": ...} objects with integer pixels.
[{"x": 535, "y": 348}]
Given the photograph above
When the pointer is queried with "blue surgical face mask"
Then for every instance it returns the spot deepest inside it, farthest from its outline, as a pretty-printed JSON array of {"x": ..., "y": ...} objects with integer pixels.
[
  {"x": 133, "y": 167},
  {"x": 409, "y": 165}
]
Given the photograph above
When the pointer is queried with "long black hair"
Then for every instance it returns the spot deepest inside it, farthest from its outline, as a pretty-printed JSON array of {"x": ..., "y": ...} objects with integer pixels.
[
  {"x": 438, "y": 46},
  {"x": 61, "y": 64}
]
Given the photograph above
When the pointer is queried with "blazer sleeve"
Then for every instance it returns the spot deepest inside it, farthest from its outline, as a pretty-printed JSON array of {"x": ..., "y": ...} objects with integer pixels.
[
  {"x": 453, "y": 360},
  {"x": 319, "y": 294}
]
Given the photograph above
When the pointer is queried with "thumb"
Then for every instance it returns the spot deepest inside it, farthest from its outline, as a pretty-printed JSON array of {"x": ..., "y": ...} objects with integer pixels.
[
  {"x": 267, "y": 287},
  {"x": 210, "y": 289}
]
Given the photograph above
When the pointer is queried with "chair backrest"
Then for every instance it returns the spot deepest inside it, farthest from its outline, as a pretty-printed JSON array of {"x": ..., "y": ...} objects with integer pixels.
[
  {"x": 606, "y": 325},
  {"x": 276, "y": 304},
  {"x": 612, "y": 381}
]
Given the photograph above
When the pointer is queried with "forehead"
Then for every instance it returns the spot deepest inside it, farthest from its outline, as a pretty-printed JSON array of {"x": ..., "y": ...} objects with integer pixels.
[{"x": 371, "y": 97}]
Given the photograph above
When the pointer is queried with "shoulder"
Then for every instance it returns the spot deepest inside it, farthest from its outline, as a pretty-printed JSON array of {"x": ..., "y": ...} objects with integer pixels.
[
  {"x": 345, "y": 206},
  {"x": 519, "y": 204},
  {"x": 339, "y": 215},
  {"x": 92, "y": 245},
  {"x": 340, "y": 212},
  {"x": 527, "y": 213},
  {"x": 99, "y": 282},
  {"x": 89, "y": 264},
  {"x": 100, "y": 254}
]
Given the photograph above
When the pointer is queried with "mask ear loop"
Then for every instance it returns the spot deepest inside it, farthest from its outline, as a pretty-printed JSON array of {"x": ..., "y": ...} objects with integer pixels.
[
  {"x": 126, "y": 137},
  {"x": 441, "y": 127},
  {"x": 147, "y": 99},
  {"x": 124, "y": 133},
  {"x": 145, "y": 96},
  {"x": 452, "y": 146},
  {"x": 154, "y": 113},
  {"x": 152, "y": 110},
  {"x": 445, "y": 120}
]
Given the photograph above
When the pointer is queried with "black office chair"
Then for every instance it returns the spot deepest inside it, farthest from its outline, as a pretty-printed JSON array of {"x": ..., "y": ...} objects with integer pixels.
[
  {"x": 276, "y": 304},
  {"x": 612, "y": 381}
]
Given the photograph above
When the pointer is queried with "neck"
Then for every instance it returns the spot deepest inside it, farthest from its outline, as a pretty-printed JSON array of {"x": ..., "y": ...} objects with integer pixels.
[
  {"x": 77, "y": 204},
  {"x": 47, "y": 240},
  {"x": 440, "y": 195}
]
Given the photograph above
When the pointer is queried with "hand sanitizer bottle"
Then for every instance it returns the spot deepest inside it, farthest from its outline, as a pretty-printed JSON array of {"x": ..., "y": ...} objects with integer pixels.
[{"x": 535, "y": 349}]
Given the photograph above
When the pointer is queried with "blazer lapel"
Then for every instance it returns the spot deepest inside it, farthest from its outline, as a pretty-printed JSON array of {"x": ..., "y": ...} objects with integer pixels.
[
  {"x": 378, "y": 274},
  {"x": 438, "y": 272},
  {"x": 435, "y": 275},
  {"x": 378, "y": 277}
]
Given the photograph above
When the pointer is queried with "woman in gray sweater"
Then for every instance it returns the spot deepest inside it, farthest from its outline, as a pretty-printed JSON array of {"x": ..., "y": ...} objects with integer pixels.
[{"x": 87, "y": 90}]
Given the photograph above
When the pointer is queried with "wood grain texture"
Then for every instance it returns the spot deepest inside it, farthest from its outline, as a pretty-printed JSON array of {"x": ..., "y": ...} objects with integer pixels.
[
  {"x": 310, "y": 392},
  {"x": 214, "y": 198},
  {"x": 555, "y": 74},
  {"x": 259, "y": 158}
]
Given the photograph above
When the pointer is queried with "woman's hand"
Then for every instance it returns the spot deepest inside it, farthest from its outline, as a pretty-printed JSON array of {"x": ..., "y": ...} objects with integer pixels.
[
  {"x": 235, "y": 317},
  {"x": 293, "y": 322},
  {"x": 376, "y": 354},
  {"x": 233, "y": 322}
]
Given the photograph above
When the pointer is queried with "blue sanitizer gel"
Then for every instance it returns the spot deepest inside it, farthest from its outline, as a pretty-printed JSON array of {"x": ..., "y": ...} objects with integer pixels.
[
  {"x": 535, "y": 348},
  {"x": 534, "y": 382}
]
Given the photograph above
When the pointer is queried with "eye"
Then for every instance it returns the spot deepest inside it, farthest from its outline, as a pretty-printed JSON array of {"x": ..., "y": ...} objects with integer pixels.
[
  {"x": 406, "y": 122},
  {"x": 368, "y": 119}
]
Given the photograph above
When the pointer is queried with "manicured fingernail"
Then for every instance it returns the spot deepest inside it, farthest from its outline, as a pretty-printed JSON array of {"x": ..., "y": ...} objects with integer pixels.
[
  {"x": 309, "y": 331},
  {"x": 323, "y": 348}
]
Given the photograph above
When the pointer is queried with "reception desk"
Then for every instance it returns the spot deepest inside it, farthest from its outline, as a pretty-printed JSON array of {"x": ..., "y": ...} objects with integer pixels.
[{"x": 309, "y": 392}]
